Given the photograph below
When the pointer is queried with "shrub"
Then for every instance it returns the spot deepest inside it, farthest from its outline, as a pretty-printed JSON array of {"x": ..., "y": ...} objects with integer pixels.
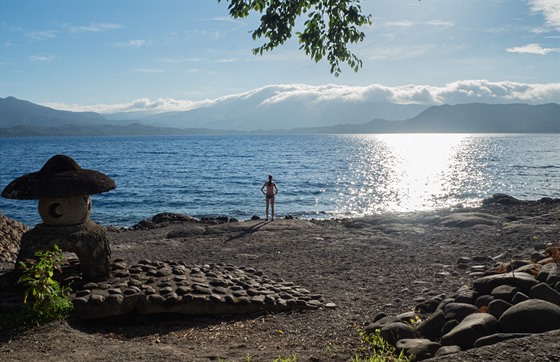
[{"x": 44, "y": 298}]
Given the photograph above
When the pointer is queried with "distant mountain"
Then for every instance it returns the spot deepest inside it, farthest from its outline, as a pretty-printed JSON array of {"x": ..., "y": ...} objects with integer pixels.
[
  {"x": 22, "y": 118},
  {"x": 487, "y": 118},
  {"x": 16, "y": 112},
  {"x": 252, "y": 115},
  {"x": 133, "y": 129},
  {"x": 462, "y": 118}
]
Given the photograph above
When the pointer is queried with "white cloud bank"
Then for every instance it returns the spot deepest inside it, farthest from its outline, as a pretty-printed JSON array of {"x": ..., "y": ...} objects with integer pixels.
[{"x": 465, "y": 91}]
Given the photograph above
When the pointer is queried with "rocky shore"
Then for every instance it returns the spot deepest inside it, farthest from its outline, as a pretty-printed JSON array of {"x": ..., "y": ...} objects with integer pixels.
[{"x": 458, "y": 285}]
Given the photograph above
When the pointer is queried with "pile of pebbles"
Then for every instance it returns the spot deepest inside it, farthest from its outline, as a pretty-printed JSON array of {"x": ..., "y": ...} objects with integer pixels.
[
  {"x": 151, "y": 287},
  {"x": 509, "y": 300},
  {"x": 10, "y": 236}
]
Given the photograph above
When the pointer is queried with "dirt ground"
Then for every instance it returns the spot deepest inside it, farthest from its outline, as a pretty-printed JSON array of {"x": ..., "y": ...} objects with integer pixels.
[{"x": 364, "y": 266}]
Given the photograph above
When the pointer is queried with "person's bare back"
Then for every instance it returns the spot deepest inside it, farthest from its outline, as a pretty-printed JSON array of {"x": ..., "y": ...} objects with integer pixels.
[{"x": 271, "y": 191}]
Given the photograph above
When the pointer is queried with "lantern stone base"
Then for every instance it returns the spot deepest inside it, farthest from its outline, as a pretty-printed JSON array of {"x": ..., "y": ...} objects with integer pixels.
[{"x": 88, "y": 241}]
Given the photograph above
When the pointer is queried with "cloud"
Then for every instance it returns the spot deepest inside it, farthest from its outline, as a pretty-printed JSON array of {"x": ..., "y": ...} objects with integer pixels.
[
  {"x": 144, "y": 105},
  {"x": 533, "y": 49},
  {"x": 178, "y": 60},
  {"x": 398, "y": 24},
  {"x": 459, "y": 92},
  {"x": 441, "y": 23},
  {"x": 42, "y": 35},
  {"x": 95, "y": 27},
  {"x": 42, "y": 58},
  {"x": 148, "y": 70},
  {"x": 550, "y": 9},
  {"x": 136, "y": 43}
]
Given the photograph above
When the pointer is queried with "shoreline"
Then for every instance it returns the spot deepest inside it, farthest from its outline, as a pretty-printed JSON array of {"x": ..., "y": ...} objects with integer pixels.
[{"x": 364, "y": 266}]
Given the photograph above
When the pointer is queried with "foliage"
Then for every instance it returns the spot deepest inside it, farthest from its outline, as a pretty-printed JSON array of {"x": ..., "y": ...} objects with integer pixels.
[
  {"x": 48, "y": 297},
  {"x": 329, "y": 28},
  {"x": 376, "y": 349}
]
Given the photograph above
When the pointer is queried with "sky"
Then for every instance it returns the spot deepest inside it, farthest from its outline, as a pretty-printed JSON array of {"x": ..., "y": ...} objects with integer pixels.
[{"x": 109, "y": 56}]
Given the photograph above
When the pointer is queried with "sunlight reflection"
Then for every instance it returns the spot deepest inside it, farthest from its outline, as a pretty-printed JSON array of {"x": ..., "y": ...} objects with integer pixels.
[
  {"x": 423, "y": 167},
  {"x": 405, "y": 172}
]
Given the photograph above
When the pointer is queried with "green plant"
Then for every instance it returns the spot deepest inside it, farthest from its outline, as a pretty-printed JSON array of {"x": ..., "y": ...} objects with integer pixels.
[
  {"x": 376, "y": 349},
  {"x": 292, "y": 358},
  {"x": 49, "y": 298}
]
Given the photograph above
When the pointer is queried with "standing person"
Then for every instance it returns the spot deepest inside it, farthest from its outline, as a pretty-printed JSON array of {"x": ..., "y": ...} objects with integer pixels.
[{"x": 271, "y": 190}]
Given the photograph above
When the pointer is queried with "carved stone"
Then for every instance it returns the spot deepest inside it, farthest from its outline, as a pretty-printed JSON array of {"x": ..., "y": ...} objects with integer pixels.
[{"x": 88, "y": 241}]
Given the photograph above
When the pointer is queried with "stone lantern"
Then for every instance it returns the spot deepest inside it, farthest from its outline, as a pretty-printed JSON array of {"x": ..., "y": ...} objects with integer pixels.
[{"x": 63, "y": 189}]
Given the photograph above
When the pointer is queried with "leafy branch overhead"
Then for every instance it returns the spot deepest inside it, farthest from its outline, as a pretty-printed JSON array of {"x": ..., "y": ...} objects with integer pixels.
[{"x": 330, "y": 26}]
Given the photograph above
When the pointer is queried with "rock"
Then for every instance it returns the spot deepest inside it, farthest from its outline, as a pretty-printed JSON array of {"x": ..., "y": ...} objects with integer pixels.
[
  {"x": 549, "y": 273},
  {"x": 447, "y": 350},
  {"x": 448, "y": 327},
  {"x": 473, "y": 327},
  {"x": 504, "y": 292},
  {"x": 458, "y": 311},
  {"x": 393, "y": 332},
  {"x": 420, "y": 348},
  {"x": 530, "y": 316},
  {"x": 469, "y": 219},
  {"x": 545, "y": 292},
  {"x": 502, "y": 199},
  {"x": 519, "y": 297},
  {"x": 498, "y": 337},
  {"x": 497, "y": 307},
  {"x": 380, "y": 323},
  {"x": 483, "y": 301},
  {"x": 428, "y": 306},
  {"x": 523, "y": 281},
  {"x": 431, "y": 327},
  {"x": 468, "y": 296}
]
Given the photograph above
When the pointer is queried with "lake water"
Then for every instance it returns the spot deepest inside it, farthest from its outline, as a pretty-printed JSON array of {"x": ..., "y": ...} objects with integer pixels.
[{"x": 319, "y": 176}]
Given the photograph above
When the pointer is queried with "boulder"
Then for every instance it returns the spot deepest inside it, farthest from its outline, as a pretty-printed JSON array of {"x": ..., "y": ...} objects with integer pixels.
[
  {"x": 483, "y": 300},
  {"x": 419, "y": 347},
  {"x": 497, "y": 307},
  {"x": 544, "y": 291},
  {"x": 393, "y": 332},
  {"x": 523, "y": 281},
  {"x": 380, "y": 323},
  {"x": 447, "y": 350},
  {"x": 504, "y": 292},
  {"x": 549, "y": 273},
  {"x": 431, "y": 327},
  {"x": 519, "y": 297},
  {"x": 458, "y": 311},
  {"x": 473, "y": 327},
  {"x": 498, "y": 337},
  {"x": 530, "y": 316}
]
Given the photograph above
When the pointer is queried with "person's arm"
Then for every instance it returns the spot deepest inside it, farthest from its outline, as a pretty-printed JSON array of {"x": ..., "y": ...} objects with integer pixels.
[
  {"x": 276, "y": 188},
  {"x": 262, "y": 188}
]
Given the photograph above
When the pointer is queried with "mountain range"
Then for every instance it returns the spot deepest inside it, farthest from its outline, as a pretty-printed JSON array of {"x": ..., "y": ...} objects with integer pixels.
[{"x": 254, "y": 115}]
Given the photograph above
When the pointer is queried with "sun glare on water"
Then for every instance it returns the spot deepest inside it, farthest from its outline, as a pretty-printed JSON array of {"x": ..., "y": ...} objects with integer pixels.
[{"x": 405, "y": 172}]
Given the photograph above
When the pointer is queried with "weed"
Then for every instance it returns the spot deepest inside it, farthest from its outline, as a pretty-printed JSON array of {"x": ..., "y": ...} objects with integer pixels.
[
  {"x": 292, "y": 358},
  {"x": 48, "y": 298},
  {"x": 376, "y": 349}
]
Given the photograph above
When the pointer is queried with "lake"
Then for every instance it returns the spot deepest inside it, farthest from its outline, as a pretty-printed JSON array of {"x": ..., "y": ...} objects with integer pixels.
[{"x": 322, "y": 176}]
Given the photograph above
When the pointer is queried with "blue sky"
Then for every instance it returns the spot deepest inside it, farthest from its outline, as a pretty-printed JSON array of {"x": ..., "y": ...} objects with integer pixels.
[{"x": 106, "y": 55}]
